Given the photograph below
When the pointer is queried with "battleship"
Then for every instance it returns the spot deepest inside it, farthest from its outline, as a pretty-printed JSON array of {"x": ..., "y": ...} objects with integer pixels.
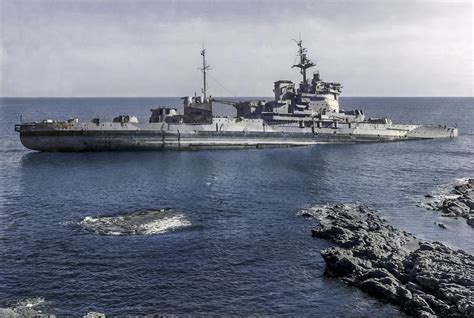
[{"x": 303, "y": 115}]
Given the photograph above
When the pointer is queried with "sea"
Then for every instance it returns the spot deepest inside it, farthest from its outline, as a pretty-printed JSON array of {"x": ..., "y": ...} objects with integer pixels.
[{"x": 215, "y": 232}]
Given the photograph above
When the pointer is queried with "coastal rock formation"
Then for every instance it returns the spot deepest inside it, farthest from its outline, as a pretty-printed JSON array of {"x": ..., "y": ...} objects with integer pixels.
[
  {"x": 34, "y": 308},
  {"x": 455, "y": 202},
  {"x": 26, "y": 308},
  {"x": 425, "y": 279}
]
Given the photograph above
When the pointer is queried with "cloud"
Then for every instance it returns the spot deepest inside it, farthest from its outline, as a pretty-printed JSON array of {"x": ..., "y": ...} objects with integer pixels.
[{"x": 151, "y": 48}]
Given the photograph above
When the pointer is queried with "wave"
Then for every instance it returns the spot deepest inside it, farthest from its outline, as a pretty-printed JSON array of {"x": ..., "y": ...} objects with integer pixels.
[
  {"x": 146, "y": 222},
  {"x": 434, "y": 200}
]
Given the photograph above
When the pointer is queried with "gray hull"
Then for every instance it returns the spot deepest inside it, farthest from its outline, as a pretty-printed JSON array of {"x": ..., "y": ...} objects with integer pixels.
[{"x": 75, "y": 141}]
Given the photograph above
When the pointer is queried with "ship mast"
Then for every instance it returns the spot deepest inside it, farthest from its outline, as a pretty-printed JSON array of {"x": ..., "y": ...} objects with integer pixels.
[
  {"x": 204, "y": 68},
  {"x": 304, "y": 62}
]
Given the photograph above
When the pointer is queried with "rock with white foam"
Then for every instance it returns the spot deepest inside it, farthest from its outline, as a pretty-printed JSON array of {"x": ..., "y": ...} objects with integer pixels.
[
  {"x": 457, "y": 200},
  {"x": 26, "y": 308},
  {"x": 146, "y": 222}
]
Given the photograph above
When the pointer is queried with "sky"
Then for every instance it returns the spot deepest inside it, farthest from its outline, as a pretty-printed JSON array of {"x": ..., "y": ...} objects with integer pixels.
[{"x": 133, "y": 48}]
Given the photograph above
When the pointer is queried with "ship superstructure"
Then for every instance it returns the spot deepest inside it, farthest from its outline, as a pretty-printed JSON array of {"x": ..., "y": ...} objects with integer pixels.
[{"x": 300, "y": 115}]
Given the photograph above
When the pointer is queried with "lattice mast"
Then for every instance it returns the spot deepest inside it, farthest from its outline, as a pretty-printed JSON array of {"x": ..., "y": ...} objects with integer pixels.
[{"x": 304, "y": 61}]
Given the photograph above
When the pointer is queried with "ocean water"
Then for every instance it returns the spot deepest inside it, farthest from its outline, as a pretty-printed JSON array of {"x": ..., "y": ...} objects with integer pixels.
[{"x": 209, "y": 232}]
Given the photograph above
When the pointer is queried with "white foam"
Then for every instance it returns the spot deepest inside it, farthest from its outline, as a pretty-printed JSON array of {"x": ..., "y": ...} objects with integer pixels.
[
  {"x": 442, "y": 193},
  {"x": 30, "y": 302},
  {"x": 165, "y": 225}
]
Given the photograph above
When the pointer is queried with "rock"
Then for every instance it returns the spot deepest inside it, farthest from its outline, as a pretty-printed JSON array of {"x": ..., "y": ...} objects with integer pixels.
[
  {"x": 441, "y": 225},
  {"x": 26, "y": 308},
  {"x": 426, "y": 279},
  {"x": 449, "y": 215},
  {"x": 378, "y": 287},
  {"x": 467, "y": 201},
  {"x": 459, "y": 202},
  {"x": 462, "y": 188},
  {"x": 424, "y": 314},
  {"x": 454, "y": 210},
  {"x": 93, "y": 314},
  {"x": 342, "y": 262},
  {"x": 141, "y": 222},
  {"x": 421, "y": 306},
  {"x": 306, "y": 215},
  {"x": 427, "y": 282},
  {"x": 470, "y": 221},
  {"x": 455, "y": 206},
  {"x": 425, "y": 246}
]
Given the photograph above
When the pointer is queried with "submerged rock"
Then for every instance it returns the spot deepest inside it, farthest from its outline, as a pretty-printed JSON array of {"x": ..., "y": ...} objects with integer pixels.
[
  {"x": 454, "y": 202},
  {"x": 441, "y": 225},
  {"x": 425, "y": 279},
  {"x": 136, "y": 223}
]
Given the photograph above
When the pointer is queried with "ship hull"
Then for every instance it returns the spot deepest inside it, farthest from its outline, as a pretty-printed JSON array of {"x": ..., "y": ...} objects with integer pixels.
[{"x": 140, "y": 140}]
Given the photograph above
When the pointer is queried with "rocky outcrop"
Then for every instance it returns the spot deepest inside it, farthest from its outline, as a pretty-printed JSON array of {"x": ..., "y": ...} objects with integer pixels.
[
  {"x": 26, "y": 308},
  {"x": 455, "y": 202},
  {"x": 94, "y": 314},
  {"x": 34, "y": 308},
  {"x": 425, "y": 279}
]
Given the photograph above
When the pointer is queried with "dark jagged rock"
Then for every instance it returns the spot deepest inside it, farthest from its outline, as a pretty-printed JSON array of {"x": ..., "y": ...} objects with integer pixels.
[
  {"x": 425, "y": 279},
  {"x": 441, "y": 225},
  {"x": 470, "y": 221},
  {"x": 458, "y": 201}
]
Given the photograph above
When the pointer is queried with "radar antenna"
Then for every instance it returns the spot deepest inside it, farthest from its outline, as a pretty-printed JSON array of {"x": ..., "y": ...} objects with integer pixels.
[
  {"x": 204, "y": 68},
  {"x": 304, "y": 62}
]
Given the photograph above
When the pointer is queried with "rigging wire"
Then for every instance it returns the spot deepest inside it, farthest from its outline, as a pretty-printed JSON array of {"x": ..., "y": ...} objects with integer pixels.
[{"x": 232, "y": 94}]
